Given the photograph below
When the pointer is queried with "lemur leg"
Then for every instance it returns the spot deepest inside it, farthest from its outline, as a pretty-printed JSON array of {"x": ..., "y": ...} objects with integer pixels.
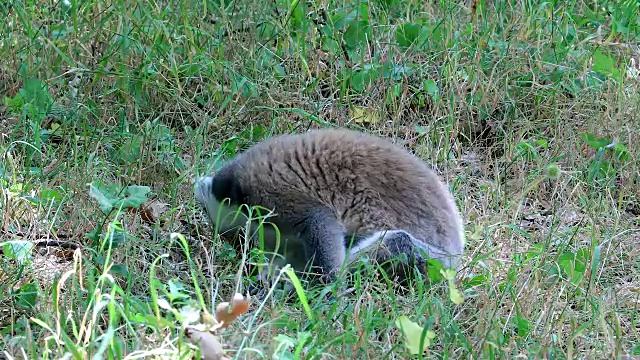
[
  {"x": 317, "y": 241},
  {"x": 323, "y": 238}
]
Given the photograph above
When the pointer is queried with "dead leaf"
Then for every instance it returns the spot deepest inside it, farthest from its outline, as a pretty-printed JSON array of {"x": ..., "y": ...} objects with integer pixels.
[
  {"x": 226, "y": 316},
  {"x": 363, "y": 115},
  {"x": 152, "y": 211},
  {"x": 210, "y": 347}
]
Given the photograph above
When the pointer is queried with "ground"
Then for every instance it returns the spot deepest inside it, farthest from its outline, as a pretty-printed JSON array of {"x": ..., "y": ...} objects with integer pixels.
[{"x": 529, "y": 110}]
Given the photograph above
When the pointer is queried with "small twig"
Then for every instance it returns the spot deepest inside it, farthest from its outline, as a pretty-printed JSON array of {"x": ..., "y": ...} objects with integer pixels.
[
  {"x": 58, "y": 243},
  {"x": 45, "y": 241}
]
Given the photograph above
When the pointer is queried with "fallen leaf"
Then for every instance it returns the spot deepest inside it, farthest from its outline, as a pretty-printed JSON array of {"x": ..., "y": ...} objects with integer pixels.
[
  {"x": 363, "y": 115},
  {"x": 239, "y": 305},
  {"x": 210, "y": 347},
  {"x": 151, "y": 212}
]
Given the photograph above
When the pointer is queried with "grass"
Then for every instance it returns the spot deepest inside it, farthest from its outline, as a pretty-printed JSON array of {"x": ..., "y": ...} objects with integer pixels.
[{"x": 530, "y": 110}]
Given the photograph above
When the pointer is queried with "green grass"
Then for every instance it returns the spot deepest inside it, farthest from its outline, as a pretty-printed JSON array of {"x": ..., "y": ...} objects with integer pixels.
[{"x": 530, "y": 110}]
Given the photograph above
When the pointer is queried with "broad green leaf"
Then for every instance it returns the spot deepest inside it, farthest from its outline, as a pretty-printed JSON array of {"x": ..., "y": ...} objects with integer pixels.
[
  {"x": 331, "y": 45},
  {"x": 129, "y": 151},
  {"x": 177, "y": 291},
  {"x": 119, "y": 269},
  {"x": 49, "y": 195},
  {"x": 620, "y": 151},
  {"x": 100, "y": 194},
  {"x": 434, "y": 268},
  {"x": 136, "y": 196},
  {"x": 524, "y": 326},
  {"x": 362, "y": 79},
  {"x": 594, "y": 143},
  {"x": 19, "y": 250},
  {"x": 357, "y": 33},
  {"x": 407, "y": 33},
  {"x": 574, "y": 264},
  {"x": 341, "y": 20},
  {"x": 605, "y": 65},
  {"x": 109, "y": 198},
  {"x": 36, "y": 92},
  {"x": 397, "y": 72},
  {"x": 413, "y": 335},
  {"x": 432, "y": 89},
  {"x": 27, "y": 295},
  {"x": 15, "y": 104}
]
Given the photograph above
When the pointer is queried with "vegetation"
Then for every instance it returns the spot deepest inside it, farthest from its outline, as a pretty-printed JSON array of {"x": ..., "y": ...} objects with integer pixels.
[{"x": 529, "y": 109}]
